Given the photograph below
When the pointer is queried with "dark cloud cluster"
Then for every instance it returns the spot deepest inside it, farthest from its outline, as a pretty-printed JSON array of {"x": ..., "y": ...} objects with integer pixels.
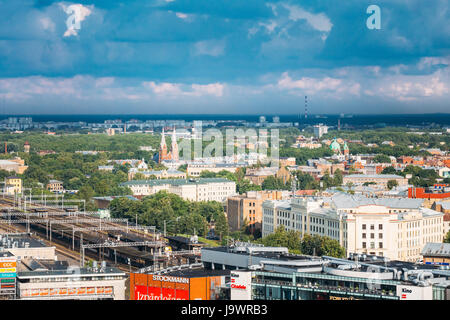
[{"x": 248, "y": 46}]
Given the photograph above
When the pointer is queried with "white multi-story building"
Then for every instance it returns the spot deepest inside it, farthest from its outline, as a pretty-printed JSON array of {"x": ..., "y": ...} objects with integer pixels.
[
  {"x": 195, "y": 169},
  {"x": 320, "y": 130},
  {"x": 390, "y": 227},
  {"x": 203, "y": 189}
]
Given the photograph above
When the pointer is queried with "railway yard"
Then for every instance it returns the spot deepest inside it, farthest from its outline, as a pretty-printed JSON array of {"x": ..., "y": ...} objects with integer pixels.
[{"x": 82, "y": 236}]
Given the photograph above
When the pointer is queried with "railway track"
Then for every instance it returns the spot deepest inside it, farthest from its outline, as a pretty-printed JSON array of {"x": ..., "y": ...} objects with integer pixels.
[{"x": 88, "y": 235}]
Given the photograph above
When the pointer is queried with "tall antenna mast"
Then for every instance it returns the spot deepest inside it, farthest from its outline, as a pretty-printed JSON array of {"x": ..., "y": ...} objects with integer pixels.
[{"x": 306, "y": 107}]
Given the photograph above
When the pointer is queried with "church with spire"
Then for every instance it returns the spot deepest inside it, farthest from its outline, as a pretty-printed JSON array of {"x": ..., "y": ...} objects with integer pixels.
[
  {"x": 164, "y": 154},
  {"x": 336, "y": 148}
]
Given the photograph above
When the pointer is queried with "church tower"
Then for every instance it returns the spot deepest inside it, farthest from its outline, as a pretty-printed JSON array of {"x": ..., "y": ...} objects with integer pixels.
[
  {"x": 346, "y": 149},
  {"x": 162, "y": 148}
]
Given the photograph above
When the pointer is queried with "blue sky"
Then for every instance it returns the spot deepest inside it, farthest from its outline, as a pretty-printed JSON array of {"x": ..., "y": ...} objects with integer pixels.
[{"x": 224, "y": 56}]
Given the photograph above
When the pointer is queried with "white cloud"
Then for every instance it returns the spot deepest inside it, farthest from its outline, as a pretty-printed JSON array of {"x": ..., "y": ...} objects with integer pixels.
[
  {"x": 427, "y": 62},
  {"x": 270, "y": 26},
  {"x": 104, "y": 82},
  {"x": 413, "y": 88},
  {"x": 214, "y": 89},
  {"x": 47, "y": 24},
  {"x": 318, "y": 21},
  {"x": 283, "y": 24},
  {"x": 176, "y": 89},
  {"x": 164, "y": 88},
  {"x": 181, "y": 15},
  {"x": 310, "y": 86},
  {"x": 213, "y": 48}
]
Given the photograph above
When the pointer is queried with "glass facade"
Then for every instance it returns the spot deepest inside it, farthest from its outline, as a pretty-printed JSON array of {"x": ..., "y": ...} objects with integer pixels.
[{"x": 308, "y": 286}]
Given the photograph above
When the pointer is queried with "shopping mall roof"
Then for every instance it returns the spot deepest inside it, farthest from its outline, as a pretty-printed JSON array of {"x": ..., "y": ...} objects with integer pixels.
[
  {"x": 71, "y": 272},
  {"x": 197, "y": 273}
]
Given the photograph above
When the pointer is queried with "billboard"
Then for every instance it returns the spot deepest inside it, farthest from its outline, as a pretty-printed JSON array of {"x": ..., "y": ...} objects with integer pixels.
[
  {"x": 158, "y": 293},
  {"x": 166, "y": 287}
]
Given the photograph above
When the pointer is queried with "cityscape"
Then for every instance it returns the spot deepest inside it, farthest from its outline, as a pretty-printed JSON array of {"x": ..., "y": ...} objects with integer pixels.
[{"x": 228, "y": 151}]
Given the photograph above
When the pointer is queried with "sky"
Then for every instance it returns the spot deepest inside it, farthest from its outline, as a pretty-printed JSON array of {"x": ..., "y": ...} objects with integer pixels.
[{"x": 223, "y": 56}]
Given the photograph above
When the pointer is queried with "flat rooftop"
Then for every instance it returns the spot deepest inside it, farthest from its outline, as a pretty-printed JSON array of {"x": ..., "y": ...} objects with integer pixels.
[
  {"x": 70, "y": 272},
  {"x": 267, "y": 254},
  {"x": 197, "y": 273},
  {"x": 176, "y": 182},
  {"x": 19, "y": 242}
]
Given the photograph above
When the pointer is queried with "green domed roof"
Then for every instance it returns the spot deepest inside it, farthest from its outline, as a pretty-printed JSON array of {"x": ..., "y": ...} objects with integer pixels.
[{"x": 335, "y": 146}]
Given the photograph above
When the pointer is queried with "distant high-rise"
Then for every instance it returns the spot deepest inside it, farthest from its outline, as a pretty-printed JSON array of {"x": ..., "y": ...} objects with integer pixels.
[
  {"x": 262, "y": 119},
  {"x": 276, "y": 119},
  {"x": 320, "y": 130}
]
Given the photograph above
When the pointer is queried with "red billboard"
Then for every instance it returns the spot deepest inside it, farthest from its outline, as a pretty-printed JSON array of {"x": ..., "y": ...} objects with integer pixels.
[{"x": 158, "y": 293}]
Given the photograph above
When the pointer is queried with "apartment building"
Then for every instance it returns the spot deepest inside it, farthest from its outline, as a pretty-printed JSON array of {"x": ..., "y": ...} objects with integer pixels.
[
  {"x": 13, "y": 185},
  {"x": 157, "y": 174},
  {"x": 55, "y": 186},
  {"x": 379, "y": 179},
  {"x": 203, "y": 189},
  {"x": 195, "y": 169},
  {"x": 391, "y": 227},
  {"x": 247, "y": 208}
]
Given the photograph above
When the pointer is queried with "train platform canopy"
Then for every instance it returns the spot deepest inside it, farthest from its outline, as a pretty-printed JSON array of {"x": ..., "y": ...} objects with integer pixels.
[
  {"x": 184, "y": 240},
  {"x": 111, "y": 198}
]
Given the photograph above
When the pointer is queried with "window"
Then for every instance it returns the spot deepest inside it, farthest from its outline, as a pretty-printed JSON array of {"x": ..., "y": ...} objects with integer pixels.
[
  {"x": 364, "y": 235},
  {"x": 364, "y": 227},
  {"x": 372, "y": 227},
  {"x": 364, "y": 245},
  {"x": 372, "y": 236},
  {"x": 380, "y": 236},
  {"x": 380, "y": 245},
  {"x": 380, "y": 227}
]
